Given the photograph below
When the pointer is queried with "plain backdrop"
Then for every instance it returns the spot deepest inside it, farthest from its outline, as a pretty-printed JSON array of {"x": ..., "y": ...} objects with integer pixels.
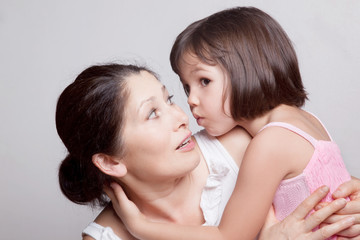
[{"x": 44, "y": 44}]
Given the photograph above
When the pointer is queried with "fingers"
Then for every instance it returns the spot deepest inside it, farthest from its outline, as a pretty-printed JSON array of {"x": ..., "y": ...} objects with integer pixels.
[
  {"x": 351, "y": 232},
  {"x": 352, "y": 207},
  {"x": 319, "y": 216},
  {"x": 335, "y": 218},
  {"x": 347, "y": 188},
  {"x": 115, "y": 193},
  {"x": 332, "y": 229},
  {"x": 309, "y": 203},
  {"x": 321, "y": 205},
  {"x": 345, "y": 238},
  {"x": 109, "y": 192},
  {"x": 119, "y": 192}
]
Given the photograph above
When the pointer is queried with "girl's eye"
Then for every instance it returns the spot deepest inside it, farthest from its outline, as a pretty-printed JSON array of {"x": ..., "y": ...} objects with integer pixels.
[
  {"x": 204, "y": 82},
  {"x": 153, "y": 114},
  {"x": 186, "y": 89},
  {"x": 169, "y": 99}
]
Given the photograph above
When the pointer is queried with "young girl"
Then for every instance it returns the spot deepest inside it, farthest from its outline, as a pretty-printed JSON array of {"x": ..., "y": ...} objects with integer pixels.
[{"x": 238, "y": 67}]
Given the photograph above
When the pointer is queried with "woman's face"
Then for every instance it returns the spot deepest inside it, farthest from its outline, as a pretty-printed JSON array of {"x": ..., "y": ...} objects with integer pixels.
[{"x": 156, "y": 133}]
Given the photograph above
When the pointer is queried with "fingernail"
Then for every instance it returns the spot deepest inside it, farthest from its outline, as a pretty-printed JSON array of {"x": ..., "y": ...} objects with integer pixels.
[
  {"x": 325, "y": 189},
  {"x": 340, "y": 201},
  {"x": 337, "y": 193},
  {"x": 318, "y": 207}
]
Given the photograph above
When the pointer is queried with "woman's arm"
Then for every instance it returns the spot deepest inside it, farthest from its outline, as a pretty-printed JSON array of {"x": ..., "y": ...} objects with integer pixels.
[{"x": 349, "y": 189}]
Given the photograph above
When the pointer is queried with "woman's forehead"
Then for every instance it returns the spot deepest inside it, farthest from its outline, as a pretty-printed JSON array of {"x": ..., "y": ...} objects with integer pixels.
[
  {"x": 143, "y": 83},
  {"x": 142, "y": 87}
]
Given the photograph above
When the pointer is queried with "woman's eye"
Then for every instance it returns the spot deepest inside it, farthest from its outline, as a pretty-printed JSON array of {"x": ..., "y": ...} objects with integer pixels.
[
  {"x": 169, "y": 99},
  {"x": 204, "y": 81},
  {"x": 152, "y": 114}
]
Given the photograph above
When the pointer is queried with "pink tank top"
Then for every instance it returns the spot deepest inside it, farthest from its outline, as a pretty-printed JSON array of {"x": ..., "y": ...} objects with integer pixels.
[{"x": 325, "y": 167}]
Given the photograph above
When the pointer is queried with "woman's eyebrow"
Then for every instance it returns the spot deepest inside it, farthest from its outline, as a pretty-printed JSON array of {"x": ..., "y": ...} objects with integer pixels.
[
  {"x": 163, "y": 88},
  {"x": 152, "y": 98}
]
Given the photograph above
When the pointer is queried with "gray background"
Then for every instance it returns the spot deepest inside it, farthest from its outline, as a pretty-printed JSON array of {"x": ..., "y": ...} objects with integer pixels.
[{"x": 44, "y": 44}]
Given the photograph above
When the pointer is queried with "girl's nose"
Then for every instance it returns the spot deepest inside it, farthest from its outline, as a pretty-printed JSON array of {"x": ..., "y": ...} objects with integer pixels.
[{"x": 192, "y": 100}]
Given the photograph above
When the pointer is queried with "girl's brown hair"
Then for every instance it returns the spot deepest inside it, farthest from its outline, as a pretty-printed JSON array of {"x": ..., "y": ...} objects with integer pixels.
[{"x": 255, "y": 52}]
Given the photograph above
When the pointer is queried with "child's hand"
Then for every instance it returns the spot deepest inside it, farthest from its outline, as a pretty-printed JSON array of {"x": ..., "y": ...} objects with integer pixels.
[
  {"x": 296, "y": 226},
  {"x": 125, "y": 209},
  {"x": 349, "y": 189}
]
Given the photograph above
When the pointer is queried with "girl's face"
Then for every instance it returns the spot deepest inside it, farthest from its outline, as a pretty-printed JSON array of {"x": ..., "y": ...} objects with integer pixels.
[
  {"x": 156, "y": 135},
  {"x": 208, "y": 96}
]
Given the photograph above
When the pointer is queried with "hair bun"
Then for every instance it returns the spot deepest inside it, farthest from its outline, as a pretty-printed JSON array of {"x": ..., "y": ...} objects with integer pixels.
[{"x": 71, "y": 179}]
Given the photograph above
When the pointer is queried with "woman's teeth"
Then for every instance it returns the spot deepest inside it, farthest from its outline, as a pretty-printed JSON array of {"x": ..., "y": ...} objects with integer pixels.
[{"x": 184, "y": 143}]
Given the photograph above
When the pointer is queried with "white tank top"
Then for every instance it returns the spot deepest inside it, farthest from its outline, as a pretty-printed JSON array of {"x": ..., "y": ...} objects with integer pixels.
[{"x": 216, "y": 193}]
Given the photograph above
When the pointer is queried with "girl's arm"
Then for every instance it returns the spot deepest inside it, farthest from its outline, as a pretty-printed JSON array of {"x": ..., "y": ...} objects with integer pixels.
[
  {"x": 138, "y": 225},
  {"x": 262, "y": 170},
  {"x": 298, "y": 226},
  {"x": 295, "y": 226},
  {"x": 265, "y": 164}
]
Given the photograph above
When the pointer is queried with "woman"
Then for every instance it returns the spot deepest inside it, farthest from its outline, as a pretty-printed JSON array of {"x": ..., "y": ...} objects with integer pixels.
[{"x": 119, "y": 124}]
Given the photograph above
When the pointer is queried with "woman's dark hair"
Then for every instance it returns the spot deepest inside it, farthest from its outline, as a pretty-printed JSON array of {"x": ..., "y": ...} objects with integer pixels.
[
  {"x": 89, "y": 120},
  {"x": 255, "y": 52}
]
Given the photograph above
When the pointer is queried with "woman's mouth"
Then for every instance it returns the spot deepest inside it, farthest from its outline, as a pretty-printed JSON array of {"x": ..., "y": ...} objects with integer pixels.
[
  {"x": 184, "y": 143},
  {"x": 187, "y": 144}
]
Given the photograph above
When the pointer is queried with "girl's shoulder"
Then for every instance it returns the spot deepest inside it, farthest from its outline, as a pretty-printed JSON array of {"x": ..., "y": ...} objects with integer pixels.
[{"x": 284, "y": 147}]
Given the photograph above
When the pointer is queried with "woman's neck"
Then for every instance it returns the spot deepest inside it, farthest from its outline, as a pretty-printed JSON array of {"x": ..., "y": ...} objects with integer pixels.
[{"x": 176, "y": 200}]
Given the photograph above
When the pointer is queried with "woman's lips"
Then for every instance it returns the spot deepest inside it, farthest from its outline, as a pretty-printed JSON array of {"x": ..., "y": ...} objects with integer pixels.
[{"x": 188, "y": 146}]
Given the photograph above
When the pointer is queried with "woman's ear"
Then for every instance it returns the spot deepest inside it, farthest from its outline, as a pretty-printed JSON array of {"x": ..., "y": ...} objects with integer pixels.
[{"x": 109, "y": 165}]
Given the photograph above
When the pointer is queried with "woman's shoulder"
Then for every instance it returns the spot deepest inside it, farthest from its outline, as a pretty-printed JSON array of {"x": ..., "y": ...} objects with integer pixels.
[
  {"x": 236, "y": 142},
  {"x": 108, "y": 219}
]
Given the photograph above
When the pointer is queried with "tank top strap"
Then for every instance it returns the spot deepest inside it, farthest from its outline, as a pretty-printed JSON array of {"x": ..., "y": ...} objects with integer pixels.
[
  {"x": 292, "y": 128},
  {"x": 321, "y": 124}
]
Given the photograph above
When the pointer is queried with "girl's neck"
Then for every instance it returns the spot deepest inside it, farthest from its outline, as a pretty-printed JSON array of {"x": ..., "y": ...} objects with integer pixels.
[
  {"x": 253, "y": 126},
  {"x": 279, "y": 113}
]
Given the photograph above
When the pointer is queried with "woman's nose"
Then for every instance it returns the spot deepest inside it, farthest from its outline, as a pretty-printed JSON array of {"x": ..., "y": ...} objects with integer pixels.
[{"x": 182, "y": 120}]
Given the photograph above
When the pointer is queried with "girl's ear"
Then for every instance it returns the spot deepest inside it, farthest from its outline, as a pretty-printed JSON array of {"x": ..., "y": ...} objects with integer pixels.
[{"x": 109, "y": 165}]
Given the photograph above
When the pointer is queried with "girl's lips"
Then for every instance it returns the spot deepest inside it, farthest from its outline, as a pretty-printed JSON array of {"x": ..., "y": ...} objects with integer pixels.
[
  {"x": 199, "y": 121},
  {"x": 195, "y": 115}
]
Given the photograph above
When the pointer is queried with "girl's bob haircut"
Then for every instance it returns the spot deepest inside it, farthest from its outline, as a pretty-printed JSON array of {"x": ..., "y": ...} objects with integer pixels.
[{"x": 256, "y": 54}]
